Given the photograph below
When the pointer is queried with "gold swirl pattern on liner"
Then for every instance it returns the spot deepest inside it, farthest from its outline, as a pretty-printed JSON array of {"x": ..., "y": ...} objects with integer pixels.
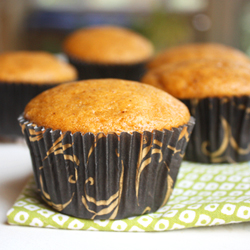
[
  {"x": 142, "y": 154},
  {"x": 101, "y": 202},
  {"x": 46, "y": 195},
  {"x": 113, "y": 202},
  {"x": 184, "y": 133},
  {"x": 59, "y": 148},
  {"x": 170, "y": 186},
  {"x": 182, "y": 155},
  {"x": 116, "y": 152},
  {"x": 166, "y": 165},
  {"x": 72, "y": 158},
  {"x": 242, "y": 151},
  {"x": 120, "y": 194},
  {"x": 226, "y": 158},
  {"x": 157, "y": 143},
  {"x": 23, "y": 126},
  {"x": 142, "y": 162},
  {"x": 46, "y": 198},
  {"x": 147, "y": 209},
  {"x": 174, "y": 149},
  {"x": 157, "y": 151},
  {"x": 169, "y": 191},
  {"x": 99, "y": 136},
  {"x": 35, "y": 136},
  {"x": 58, "y": 207},
  {"x": 70, "y": 180},
  {"x": 90, "y": 180},
  {"x": 228, "y": 139}
]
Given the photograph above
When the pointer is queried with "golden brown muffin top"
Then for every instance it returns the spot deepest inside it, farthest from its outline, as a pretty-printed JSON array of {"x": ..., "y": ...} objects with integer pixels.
[
  {"x": 34, "y": 67},
  {"x": 201, "y": 78},
  {"x": 109, "y": 45},
  {"x": 106, "y": 105},
  {"x": 197, "y": 51}
]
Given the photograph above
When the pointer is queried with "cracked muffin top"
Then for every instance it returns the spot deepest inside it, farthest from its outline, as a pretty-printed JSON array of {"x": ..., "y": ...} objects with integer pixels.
[{"x": 201, "y": 78}]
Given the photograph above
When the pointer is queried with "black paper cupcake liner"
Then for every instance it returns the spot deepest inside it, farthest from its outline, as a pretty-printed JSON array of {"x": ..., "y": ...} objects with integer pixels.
[
  {"x": 222, "y": 130},
  {"x": 13, "y": 99},
  {"x": 87, "y": 70},
  {"x": 105, "y": 176}
]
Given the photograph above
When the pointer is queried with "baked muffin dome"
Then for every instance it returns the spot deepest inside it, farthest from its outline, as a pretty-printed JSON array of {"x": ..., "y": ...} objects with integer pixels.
[
  {"x": 105, "y": 175},
  {"x": 201, "y": 78},
  {"x": 197, "y": 51},
  {"x": 34, "y": 67},
  {"x": 108, "y": 45},
  {"x": 106, "y": 105}
]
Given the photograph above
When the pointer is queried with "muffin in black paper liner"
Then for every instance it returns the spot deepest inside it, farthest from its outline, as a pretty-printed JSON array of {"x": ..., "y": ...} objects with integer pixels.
[
  {"x": 88, "y": 70},
  {"x": 23, "y": 75},
  {"x": 108, "y": 51},
  {"x": 13, "y": 99},
  {"x": 105, "y": 176},
  {"x": 222, "y": 130}
]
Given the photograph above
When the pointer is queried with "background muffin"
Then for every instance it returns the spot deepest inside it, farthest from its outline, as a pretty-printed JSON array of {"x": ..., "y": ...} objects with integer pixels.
[
  {"x": 108, "y": 52},
  {"x": 217, "y": 94},
  {"x": 23, "y": 75},
  {"x": 197, "y": 51},
  {"x": 115, "y": 151}
]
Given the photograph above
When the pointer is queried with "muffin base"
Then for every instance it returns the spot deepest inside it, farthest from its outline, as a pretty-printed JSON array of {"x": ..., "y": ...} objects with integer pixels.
[
  {"x": 86, "y": 70},
  {"x": 222, "y": 130},
  {"x": 105, "y": 176},
  {"x": 13, "y": 99}
]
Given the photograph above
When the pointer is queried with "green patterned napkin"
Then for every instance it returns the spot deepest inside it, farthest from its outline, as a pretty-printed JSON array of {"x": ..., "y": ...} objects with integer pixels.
[{"x": 203, "y": 196}]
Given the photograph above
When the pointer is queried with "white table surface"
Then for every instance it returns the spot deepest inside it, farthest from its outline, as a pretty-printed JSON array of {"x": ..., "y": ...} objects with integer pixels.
[{"x": 15, "y": 170}]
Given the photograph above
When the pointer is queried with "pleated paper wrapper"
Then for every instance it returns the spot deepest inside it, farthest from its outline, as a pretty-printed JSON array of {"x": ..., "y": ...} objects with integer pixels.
[
  {"x": 105, "y": 176},
  {"x": 222, "y": 130}
]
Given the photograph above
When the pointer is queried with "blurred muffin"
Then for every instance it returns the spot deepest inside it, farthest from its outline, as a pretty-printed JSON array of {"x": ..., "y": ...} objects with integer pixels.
[
  {"x": 217, "y": 94},
  {"x": 197, "y": 51},
  {"x": 23, "y": 75},
  {"x": 108, "y": 52},
  {"x": 110, "y": 144}
]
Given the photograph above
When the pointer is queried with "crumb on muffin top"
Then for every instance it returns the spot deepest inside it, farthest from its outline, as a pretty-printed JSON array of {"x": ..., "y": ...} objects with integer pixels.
[
  {"x": 197, "y": 51},
  {"x": 34, "y": 67},
  {"x": 106, "y": 105},
  {"x": 201, "y": 78},
  {"x": 108, "y": 45}
]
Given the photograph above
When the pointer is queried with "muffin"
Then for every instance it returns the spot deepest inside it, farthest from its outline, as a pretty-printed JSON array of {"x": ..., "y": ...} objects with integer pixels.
[
  {"x": 23, "y": 75},
  {"x": 106, "y": 149},
  {"x": 217, "y": 94},
  {"x": 108, "y": 52},
  {"x": 197, "y": 51}
]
